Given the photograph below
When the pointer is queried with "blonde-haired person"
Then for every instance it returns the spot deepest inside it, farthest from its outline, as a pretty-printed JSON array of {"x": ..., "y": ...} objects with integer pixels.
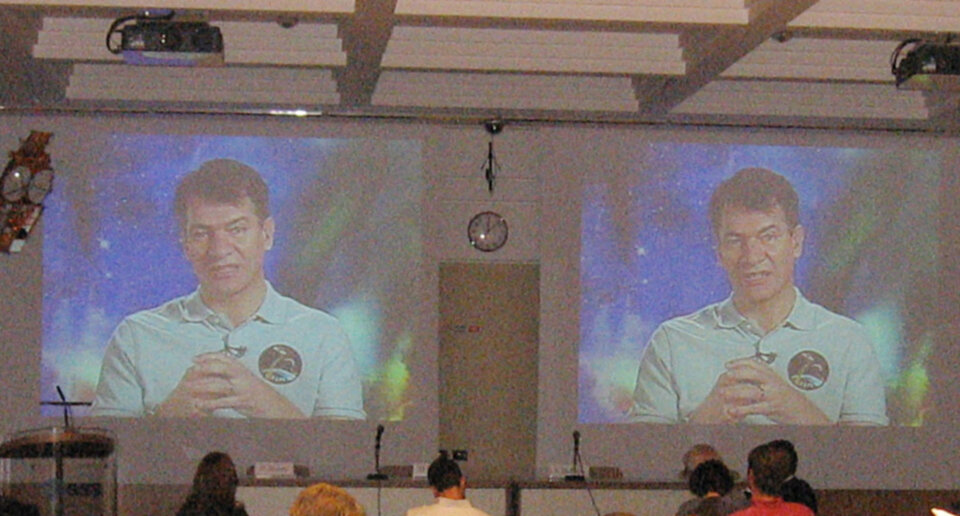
[{"x": 325, "y": 500}]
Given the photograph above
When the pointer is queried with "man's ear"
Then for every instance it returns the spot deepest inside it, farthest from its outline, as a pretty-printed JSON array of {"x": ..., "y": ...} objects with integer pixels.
[
  {"x": 268, "y": 230},
  {"x": 796, "y": 238}
]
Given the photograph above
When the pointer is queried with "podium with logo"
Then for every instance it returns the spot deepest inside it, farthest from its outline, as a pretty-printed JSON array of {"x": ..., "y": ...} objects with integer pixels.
[{"x": 60, "y": 471}]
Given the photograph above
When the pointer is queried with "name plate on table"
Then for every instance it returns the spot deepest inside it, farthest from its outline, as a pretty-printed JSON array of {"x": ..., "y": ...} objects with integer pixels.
[{"x": 273, "y": 470}]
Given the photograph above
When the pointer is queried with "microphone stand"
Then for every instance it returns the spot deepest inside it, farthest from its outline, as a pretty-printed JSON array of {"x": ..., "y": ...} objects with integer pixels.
[
  {"x": 58, "y": 451},
  {"x": 577, "y": 474},
  {"x": 377, "y": 475}
]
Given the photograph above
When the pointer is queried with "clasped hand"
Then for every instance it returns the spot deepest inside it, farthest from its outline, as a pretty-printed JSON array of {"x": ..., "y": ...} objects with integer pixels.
[
  {"x": 219, "y": 381},
  {"x": 750, "y": 386}
]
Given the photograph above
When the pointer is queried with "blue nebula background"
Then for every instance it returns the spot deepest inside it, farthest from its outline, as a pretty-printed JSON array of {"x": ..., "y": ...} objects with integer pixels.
[
  {"x": 647, "y": 255},
  {"x": 348, "y": 234}
]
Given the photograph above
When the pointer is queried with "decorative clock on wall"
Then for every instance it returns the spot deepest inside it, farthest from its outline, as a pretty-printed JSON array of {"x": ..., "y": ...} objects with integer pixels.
[{"x": 487, "y": 231}]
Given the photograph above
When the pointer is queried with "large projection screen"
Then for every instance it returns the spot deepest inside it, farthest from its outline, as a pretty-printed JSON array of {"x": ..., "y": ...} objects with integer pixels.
[
  {"x": 874, "y": 208},
  {"x": 344, "y": 243},
  {"x": 347, "y": 207},
  {"x": 869, "y": 253}
]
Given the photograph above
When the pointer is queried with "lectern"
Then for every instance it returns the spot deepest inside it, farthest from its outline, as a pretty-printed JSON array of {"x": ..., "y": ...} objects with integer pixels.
[{"x": 62, "y": 471}]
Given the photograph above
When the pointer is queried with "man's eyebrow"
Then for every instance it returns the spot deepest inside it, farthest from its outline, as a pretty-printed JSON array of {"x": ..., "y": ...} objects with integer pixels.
[
  {"x": 762, "y": 230},
  {"x": 228, "y": 223}
]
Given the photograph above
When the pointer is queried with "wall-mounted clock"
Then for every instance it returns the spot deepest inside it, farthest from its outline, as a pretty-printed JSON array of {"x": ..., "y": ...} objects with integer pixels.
[
  {"x": 487, "y": 231},
  {"x": 16, "y": 179}
]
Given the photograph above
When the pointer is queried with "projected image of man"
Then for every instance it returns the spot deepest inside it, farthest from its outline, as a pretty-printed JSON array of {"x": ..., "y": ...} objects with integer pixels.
[
  {"x": 234, "y": 347},
  {"x": 766, "y": 354}
]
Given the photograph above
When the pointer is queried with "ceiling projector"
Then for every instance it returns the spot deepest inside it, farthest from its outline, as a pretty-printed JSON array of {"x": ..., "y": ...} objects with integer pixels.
[
  {"x": 924, "y": 65},
  {"x": 171, "y": 43}
]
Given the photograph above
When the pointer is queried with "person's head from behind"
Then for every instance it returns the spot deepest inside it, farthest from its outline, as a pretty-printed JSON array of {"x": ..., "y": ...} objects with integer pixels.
[
  {"x": 768, "y": 467},
  {"x": 696, "y": 455},
  {"x": 787, "y": 447},
  {"x": 223, "y": 213},
  {"x": 216, "y": 478},
  {"x": 755, "y": 220},
  {"x": 325, "y": 500},
  {"x": 445, "y": 477},
  {"x": 711, "y": 476}
]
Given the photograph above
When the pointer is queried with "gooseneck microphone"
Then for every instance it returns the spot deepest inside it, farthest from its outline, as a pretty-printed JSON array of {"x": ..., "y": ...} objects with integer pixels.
[
  {"x": 576, "y": 474},
  {"x": 62, "y": 402},
  {"x": 377, "y": 475},
  {"x": 66, "y": 408}
]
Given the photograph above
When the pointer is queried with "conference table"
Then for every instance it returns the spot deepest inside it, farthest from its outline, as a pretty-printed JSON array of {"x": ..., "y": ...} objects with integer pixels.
[{"x": 527, "y": 498}]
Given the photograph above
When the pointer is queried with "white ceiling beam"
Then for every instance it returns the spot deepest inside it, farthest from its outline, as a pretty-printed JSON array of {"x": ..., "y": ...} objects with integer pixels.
[{"x": 767, "y": 17}]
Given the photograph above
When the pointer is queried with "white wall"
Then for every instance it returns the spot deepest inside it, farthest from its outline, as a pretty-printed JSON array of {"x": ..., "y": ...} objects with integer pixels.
[{"x": 538, "y": 194}]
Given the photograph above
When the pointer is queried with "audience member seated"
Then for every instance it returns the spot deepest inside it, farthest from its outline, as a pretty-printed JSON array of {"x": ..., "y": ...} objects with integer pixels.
[
  {"x": 711, "y": 482},
  {"x": 214, "y": 489},
  {"x": 696, "y": 455},
  {"x": 449, "y": 486},
  {"x": 795, "y": 489},
  {"x": 12, "y": 507},
  {"x": 325, "y": 500},
  {"x": 767, "y": 468}
]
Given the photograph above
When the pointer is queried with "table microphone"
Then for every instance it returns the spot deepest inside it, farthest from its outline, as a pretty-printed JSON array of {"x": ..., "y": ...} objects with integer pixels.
[
  {"x": 377, "y": 475},
  {"x": 576, "y": 475}
]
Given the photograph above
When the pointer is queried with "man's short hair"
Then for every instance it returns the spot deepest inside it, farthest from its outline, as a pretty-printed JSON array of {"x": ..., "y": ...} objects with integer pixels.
[
  {"x": 770, "y": 466},
  {"x": 444, "y": 473},
  {"x": 711, "y": 476},
  {"x": 754, "y": 189},
  {"x": 697, "y": 454},
  {"x": 325, "y": 500},
  {"x": 787, "y": 447},
  {"x": 222, "y": 181}
]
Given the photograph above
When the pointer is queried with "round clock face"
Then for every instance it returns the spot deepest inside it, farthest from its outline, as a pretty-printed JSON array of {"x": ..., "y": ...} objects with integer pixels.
[
  {"x": 487, "y": 231},
  {"x": 40, "y": 186},
  {"x": 15, "y": 181}
]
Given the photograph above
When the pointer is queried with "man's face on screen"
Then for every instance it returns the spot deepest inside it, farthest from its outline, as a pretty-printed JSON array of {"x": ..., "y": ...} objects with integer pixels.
[
  {"x": 226, "y": 244},
  {"x": 758, "y": 250}
]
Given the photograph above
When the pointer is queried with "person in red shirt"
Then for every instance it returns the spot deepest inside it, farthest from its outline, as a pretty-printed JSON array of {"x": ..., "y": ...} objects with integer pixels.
[{"x": 768, "y": 467}]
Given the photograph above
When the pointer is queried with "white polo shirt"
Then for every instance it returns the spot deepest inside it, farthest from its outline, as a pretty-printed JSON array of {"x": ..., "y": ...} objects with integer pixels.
[
  {"x": 828, "y": 357},
  {"x": 301, "y": 352}
]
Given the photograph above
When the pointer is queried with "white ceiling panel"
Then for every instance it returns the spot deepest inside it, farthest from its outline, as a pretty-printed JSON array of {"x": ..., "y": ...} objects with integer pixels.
[
  {"x": 298, "y": 86},
  {"x": 819, "y": 59},
  {"x": 467, "y": 90},
  {"x": 908, "y": 15},
  {"x": 534, "y": 51},
  {"x": 689, "y": 11},
  {"x": 270, "y": 43},
  {"x": 805, "y": 99},
  {"x": 74, "y": 38},
  {"x": 244, "y": 42},
  {"x": 326, "y": 6}
]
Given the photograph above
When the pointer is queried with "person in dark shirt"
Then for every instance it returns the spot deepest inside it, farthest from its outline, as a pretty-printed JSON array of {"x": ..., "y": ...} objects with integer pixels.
[
  {"x": 214, "y": 489},
  {"x": 12, "y": 507},
  {"x": 712, "y": 482},
  {"x": 795, "y": 489}
]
